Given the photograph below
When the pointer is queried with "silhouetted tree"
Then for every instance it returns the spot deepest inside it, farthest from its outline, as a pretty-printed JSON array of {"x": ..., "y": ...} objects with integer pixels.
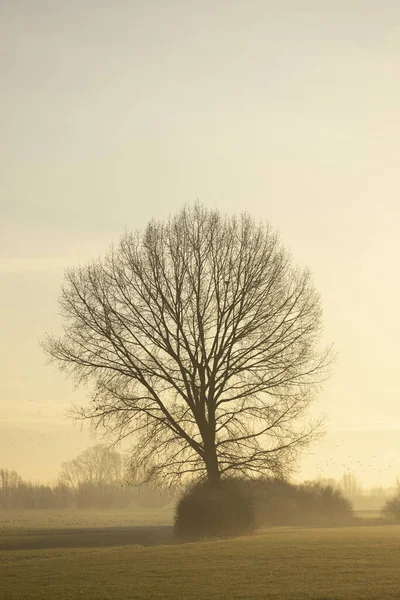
[{"x": 200, "y": 337}]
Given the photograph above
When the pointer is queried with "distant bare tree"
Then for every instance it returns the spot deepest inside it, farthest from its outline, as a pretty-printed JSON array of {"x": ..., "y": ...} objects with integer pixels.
[
  {"x": 200, "y": 337},
  {"x": 10, "y": 481},
  {"x": 96, "y": 466},
  {"x": 350, "y": 485},
  {"x": 391, "y": 508}
]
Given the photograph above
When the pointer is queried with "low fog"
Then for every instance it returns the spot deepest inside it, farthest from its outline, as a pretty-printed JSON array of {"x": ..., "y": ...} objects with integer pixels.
[{"x": 199, "y": 296}]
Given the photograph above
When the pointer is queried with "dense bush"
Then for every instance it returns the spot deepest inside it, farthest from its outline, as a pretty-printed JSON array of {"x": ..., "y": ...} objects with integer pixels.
[
  {"x": 279, "y": 502},
  {"x": 391, "y": 510},
  {"x": 236, "y": 507},
  {"x": 218, "y": 510}
]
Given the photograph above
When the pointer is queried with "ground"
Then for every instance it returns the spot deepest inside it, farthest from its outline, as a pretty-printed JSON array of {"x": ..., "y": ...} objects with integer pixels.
[{"x": 125, "y": 556}]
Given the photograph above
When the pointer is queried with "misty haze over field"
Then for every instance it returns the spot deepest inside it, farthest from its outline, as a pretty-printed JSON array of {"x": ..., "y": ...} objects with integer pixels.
[
  {"x": 114, "y": 115},
  {"x": 199, "y": 292}
]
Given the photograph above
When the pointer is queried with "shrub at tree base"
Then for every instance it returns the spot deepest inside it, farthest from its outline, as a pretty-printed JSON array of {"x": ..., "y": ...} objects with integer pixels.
[
  {"x": 237, "y": 506},
  {"x": 391, "y": 510},
  {"x": 220, "y": 509},
  {"x": 279, "y": 502}
]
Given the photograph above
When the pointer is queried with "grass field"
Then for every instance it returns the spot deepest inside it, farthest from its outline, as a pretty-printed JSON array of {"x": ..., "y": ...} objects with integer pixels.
[
  {"x": 33, "y": 519},
  {"x": 144, "y": 562},
  {"x": 368, "y": 514}
]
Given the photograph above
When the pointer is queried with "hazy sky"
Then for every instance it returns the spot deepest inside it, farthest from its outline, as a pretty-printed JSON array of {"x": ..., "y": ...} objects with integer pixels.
[{"x": 116, "y": 112}]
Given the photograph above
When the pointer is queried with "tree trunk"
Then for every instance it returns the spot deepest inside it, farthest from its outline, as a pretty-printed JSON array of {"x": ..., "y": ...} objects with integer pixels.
[{"x": 211, "y": 461}]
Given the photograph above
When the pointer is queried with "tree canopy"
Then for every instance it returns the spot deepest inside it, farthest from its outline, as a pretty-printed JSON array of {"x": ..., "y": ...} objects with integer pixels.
[{"x": 201, "y": 339}]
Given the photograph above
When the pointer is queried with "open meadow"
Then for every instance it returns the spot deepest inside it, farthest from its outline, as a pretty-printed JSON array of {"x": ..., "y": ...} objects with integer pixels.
[{"x": 106, "y": 556}]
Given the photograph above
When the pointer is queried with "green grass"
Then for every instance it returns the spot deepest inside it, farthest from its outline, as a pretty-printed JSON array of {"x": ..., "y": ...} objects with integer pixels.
[{"x": 278, "y": 563}]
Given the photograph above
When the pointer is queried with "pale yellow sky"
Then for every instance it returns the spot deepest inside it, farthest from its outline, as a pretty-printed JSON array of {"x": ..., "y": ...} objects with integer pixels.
[{"x": 115, "y": 112}]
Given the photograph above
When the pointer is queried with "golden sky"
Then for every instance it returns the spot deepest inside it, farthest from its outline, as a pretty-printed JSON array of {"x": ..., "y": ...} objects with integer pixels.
[{"x": 116, "y": 112}]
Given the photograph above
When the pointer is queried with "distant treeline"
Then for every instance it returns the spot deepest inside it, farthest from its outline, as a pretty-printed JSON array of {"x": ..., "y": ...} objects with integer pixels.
[
  {"x": 373, "y": 498},
  {"x": 97, "y": 478},
  {"x": 101, "y": 478}
]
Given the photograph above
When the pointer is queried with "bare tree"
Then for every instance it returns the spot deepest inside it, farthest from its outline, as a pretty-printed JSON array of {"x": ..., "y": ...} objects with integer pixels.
[
  {"x": 10, "y": 482},
  {"x": 97, "y": 466},
  {"x": 201, "y": 339},
  {"x": 350, "y": 485}
]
